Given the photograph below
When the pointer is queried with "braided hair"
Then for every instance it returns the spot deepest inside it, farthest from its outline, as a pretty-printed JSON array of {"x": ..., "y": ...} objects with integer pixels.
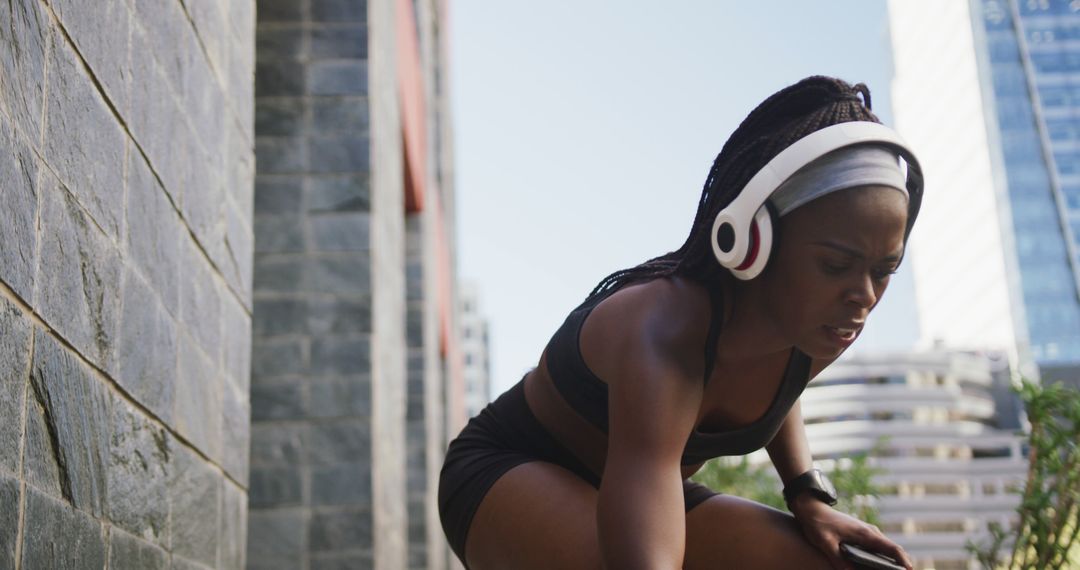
[{"x": 785, "y": 117}]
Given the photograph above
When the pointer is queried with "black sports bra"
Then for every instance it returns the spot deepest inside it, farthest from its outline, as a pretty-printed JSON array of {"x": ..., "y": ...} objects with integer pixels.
[{"x": 588, "y": 395}]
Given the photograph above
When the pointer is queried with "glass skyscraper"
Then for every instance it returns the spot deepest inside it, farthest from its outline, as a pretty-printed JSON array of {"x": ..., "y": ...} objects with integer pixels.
[
  {"x": 1031, "y": 50},
  {"x": 991, "y": 89}
]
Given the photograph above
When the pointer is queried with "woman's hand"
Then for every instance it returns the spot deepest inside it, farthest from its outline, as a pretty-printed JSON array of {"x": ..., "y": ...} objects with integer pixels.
[{"x": 826, "y": 528}]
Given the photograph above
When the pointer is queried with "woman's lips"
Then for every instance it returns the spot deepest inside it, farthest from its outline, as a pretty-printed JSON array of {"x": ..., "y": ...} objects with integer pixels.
[{"x": 843, "y": 336}]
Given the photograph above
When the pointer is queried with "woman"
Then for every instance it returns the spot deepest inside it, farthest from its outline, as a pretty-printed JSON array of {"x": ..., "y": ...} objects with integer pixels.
[{"x": 584, "y": 463}]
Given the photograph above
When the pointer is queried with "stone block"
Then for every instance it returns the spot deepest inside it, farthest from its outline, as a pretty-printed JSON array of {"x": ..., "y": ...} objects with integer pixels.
[
  {"x": 340, "y": 530},
  {"x": 332, "y": 77},
  {"x": 212, "y": 26},
  {"x": 278, "y": 195},
  {"x": 274, "y": 445},
  {"x": 334, "y": 442},
  {"x": 337, "y": 356},
  {"x": 277, "y": 358},
  {"x": 276, "y": 539},
  {"x": 237, "y": 343},
  {"x": 339, "y": 193},
  {"x": 18, "y": 208},
  {"x": 73, "y": 406},
  {"x": 340, "y": 115},
  {"x": 278, "y": 78},
  {"x": 79, "y": 276},
  {"x": 14, "y": 375},
  {"x": 10, "y": 500},
  {"x": 84, "y": 143},
  {"x": 154, "y": 232},
  {"x": 200, "y": 303},
  {"x": 341, "y": 397},
  {"x": 274, "y": 487},
  {"x": 129, "y": 553},
  {"x": 338, "y": 42},
  {"x": 338, "y": 316},
  {"x": 280, "y": 155},
  {"x": 195, "y": 490},
  {"x": 277, "y": 273},
  {"x": 279, "y": 234},
  {"x": 242, "y": 19},
  {"x": 275, "y": 317},
  {"x": 347, "y": 561},
  {"x": 236, "y": 265},
  {"x": 147, "y": 348},
  {"x": 278, "y": 401},
  {"x": 57, "y": 537},
  {"x": 280, "y": 43},
  {"x": 233, "y": 528},
  {"x": 278, "y": 11},
  {"x": 198, "y": 399},
  {"x": 279, "y": 117},
  {"x": 180, "y": 563},
  {"x": 242, "y": 81},
  {"x": 342, "y": 274},
  {"x": 138, "y": 473},
  {"x": 339, "y": 153},
  {"x": 350, "y": 231},
  {"x": 203, "y": 202},
  {"x": 24, "y": 35},
  {"x": 414, "y": 326},
  {"x": 205, "y": 100},
  {"x": 345, "y": 484},
  {"x": 156, "y": 120},
  {"x": 339, "y": 11},
  {"x": 100, "y": 32},
  {"x": 242, "y": 173},
  {"x": 236, "y": 433}
]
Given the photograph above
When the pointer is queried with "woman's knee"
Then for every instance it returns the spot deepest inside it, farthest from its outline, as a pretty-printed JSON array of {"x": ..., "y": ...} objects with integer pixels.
[{"x": 731, "y": 532}]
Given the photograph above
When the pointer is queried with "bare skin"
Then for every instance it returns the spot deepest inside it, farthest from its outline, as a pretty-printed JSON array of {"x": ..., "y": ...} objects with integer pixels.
[{"x": 829, "y": 269}]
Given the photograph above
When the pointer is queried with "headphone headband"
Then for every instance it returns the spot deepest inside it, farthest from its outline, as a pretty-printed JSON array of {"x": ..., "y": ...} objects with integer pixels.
[{"x": 733, "y": 227}]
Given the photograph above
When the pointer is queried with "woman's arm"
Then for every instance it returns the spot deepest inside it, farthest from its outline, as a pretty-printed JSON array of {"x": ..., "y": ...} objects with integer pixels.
[
  {"x": 640, "y": 513},
  {"x": 647, "y": 341},
  {"x": 789, "y": 449}
]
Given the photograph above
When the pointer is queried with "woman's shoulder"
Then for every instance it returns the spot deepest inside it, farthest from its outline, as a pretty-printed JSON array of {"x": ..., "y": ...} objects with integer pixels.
[{"x": 665, "y": 318}]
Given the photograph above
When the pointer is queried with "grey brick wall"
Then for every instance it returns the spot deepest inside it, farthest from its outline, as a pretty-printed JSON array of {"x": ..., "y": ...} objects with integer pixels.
[
  {"x": 126, "y": 161},
  {"x": 347, "y": 432},
  {"x": 311, "y": 502}
]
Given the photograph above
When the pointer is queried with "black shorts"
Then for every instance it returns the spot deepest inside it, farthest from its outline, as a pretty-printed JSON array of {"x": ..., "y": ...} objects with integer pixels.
[{"x": 504, "y": 435}]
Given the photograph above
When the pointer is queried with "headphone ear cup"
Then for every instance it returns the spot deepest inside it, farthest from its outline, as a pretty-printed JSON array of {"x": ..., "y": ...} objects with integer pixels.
[{"x": 760, "y": 246}]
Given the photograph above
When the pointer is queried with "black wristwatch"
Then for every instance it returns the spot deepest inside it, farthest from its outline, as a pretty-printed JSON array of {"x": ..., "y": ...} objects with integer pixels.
[{"x": 814, "y": 482}]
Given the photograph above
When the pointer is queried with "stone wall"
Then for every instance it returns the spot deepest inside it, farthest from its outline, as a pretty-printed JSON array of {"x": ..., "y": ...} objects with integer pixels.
[
  {"x": 347, "y": 430},
  {"x": 126, "y": 163},
  {"x": 311, "y": 459}
]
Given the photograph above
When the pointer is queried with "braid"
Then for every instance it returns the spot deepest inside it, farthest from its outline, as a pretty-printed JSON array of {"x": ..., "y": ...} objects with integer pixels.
[{"x": 783, "y": 118}]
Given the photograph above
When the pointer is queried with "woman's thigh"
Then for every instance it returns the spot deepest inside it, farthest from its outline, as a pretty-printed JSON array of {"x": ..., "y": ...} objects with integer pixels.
[
  {"x": 537, "y": 515},
  {"x": 727, "y": 531}
]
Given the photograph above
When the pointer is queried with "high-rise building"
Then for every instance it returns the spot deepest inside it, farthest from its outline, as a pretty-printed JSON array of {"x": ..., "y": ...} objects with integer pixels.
[
  {"x": 476, "y": 370},
  {"x": 939, "y": 427},
  {"x": 988, "y": 94}
]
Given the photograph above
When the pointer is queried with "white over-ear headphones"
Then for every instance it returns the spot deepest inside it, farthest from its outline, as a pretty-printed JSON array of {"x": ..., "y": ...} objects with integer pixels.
[{"x": 742, "y": 233}]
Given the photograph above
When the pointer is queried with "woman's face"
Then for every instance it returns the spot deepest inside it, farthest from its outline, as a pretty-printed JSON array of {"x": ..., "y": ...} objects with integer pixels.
[{"x": 831, "y": 265}]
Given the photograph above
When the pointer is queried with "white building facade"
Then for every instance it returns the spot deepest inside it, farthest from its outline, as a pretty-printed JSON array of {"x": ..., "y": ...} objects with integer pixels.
[
  {"x": 475, "y": 350},
  {"x": 987, "y": 92},
  {"x": 941, "y": 427}
]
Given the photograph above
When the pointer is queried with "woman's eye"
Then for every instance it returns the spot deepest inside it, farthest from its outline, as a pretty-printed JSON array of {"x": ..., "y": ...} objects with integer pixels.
[
  {"x": 834, "y": 268},
  {"x": 882, "y": 274}
]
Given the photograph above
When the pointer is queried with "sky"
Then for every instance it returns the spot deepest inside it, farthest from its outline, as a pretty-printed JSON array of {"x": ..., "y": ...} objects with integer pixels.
[{"x": 583, "y": 131}]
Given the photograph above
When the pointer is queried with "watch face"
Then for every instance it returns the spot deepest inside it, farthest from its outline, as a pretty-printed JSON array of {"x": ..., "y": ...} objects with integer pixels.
[{"x": 826, "y": 484}]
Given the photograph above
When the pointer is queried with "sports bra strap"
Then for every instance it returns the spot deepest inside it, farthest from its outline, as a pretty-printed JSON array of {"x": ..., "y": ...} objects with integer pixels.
[{"x": 716, "y": 300}]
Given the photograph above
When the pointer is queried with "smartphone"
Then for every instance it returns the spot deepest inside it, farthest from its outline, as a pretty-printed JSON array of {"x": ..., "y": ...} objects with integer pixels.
[{"x": 867, "y": 559}]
